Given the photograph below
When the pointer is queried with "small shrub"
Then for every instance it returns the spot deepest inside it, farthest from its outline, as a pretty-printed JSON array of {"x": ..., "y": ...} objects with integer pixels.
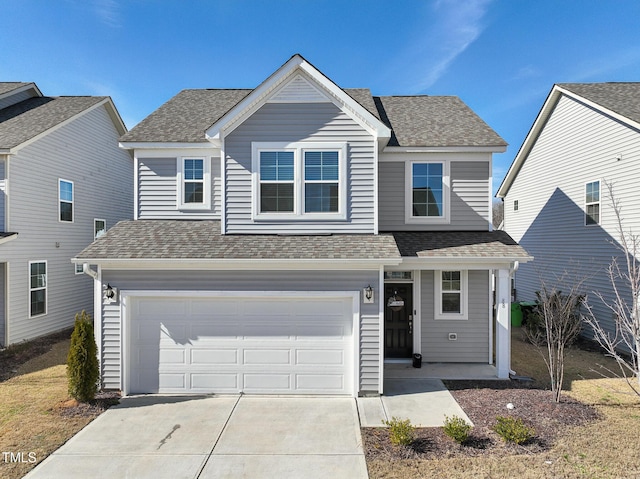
[
  {"x": 82, "y": 362},
  {"x": 512, "y": 429},
  {"x": 457, "y": 428},
  {"x": 401, "y": 433}
]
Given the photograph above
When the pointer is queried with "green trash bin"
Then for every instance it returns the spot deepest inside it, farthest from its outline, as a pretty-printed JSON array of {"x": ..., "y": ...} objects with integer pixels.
[{"x": 516, "y": 315}]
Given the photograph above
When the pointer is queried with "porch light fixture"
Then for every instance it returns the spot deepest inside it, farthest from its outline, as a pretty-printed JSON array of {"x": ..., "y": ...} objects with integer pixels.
[
  {"x": 368, "y": 292},
  {"x": 111, "y": 293}
]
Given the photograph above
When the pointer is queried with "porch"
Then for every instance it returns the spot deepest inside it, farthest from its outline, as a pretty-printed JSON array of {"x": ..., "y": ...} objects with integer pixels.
[{"x": 405, "y": 370}]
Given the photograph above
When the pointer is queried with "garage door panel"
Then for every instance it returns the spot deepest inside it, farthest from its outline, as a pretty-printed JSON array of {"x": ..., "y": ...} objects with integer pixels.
[
  {"x": 333, "y": 357},
  {"x": 214, "y": 356},
  {"x": 252, "y": 345}
]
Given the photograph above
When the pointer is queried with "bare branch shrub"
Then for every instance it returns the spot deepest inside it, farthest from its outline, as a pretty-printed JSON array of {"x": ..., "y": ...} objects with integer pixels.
[{"x": 623, "y": 343}]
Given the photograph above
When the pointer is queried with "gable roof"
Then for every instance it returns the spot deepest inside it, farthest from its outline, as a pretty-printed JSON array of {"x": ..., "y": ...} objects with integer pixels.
[
  {"x": 30, "y": 118},
  {"x": 414, "y": 121},
  {"x": 618, "y": 100},
  {"x": 7, "y": 87}
]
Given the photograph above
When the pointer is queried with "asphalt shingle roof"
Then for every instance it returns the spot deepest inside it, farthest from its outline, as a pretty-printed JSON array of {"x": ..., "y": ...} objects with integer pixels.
[
  {"x": 29, "y": 118},
  {"x": 458, "y": 244},
  {"x": 7, "y": 86},
  {"x": 622, "y": 98},
  {"x": 415, "y": 120},
  {"x": 175, "y": 239}
]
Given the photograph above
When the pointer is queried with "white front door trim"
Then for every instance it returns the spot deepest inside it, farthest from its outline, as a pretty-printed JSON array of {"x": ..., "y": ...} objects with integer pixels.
[{"x": 127, "y": 296}]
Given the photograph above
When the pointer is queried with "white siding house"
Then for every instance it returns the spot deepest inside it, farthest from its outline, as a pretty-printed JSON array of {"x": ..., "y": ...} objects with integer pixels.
[
  {"x": 556, "y": 200},
  {"x": 64, "y": 179},
  {"x": 298, "y": 236}
]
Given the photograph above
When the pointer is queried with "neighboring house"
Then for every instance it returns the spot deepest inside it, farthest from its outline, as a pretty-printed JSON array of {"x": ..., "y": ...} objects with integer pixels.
[
  {"x": 63, "y": 182},
  {"x": 556, "y": 202},
  {"x": 292, "y": 238}
]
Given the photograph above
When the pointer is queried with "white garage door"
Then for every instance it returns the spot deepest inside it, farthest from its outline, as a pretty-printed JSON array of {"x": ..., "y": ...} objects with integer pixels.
[{"x": 259, "y": 345}]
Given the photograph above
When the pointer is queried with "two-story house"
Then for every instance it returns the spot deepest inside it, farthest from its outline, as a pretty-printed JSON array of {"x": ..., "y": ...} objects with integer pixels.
[
  {"x": 63, "y": 183},
  {"x": 556, "y": 199},
  {"x": 292, "y": 238}
]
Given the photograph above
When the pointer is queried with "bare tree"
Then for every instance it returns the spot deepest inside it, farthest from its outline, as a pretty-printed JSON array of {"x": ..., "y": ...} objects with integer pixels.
[
  {"x": 623, "y": 343},
  {"x": 497, "y": 213},
  {"x": 555, "y": 325}
]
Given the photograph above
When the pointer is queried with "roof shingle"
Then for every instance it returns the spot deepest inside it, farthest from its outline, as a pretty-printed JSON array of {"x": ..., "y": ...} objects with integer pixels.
[{"x": 622, "y": 98}]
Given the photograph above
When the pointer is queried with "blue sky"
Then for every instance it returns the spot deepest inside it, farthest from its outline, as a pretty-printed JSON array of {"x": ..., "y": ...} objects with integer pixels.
[{"x": 500, "y": 56}]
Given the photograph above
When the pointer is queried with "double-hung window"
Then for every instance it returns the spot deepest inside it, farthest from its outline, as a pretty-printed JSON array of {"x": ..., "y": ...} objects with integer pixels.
[
  {"x": 99, "y": 228},
  {"x": 37, "y": 288},
  {"x": 321, "y": 182},
  {"x": 65, "y": 200},
  {"x": 427, "y": 189},
  {"x": 194, "y": 179},
  {"x": 451, "y": 294},
  {"x": 276, "y": 182},
  {"x": 299, "y": 181},
  {"x": 592, "y": 203}
]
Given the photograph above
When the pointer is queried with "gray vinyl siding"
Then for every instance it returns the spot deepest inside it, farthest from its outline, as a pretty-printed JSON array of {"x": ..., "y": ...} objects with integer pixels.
[
  {"x": 472, "y": 345},
  {"x": 288, "y": 122},
  {"x": 86, "y": 152},
  {"x": 577, "y": 145},
  {"x": 470, "y": 185},
  {"x": 158, "y": 190},
  {"x": 242, "y": 281},
  {"x": 3, "y": 303}
]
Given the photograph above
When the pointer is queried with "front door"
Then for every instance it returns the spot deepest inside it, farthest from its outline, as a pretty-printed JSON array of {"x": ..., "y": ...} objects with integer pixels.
[{"x": 398, "y": 320}]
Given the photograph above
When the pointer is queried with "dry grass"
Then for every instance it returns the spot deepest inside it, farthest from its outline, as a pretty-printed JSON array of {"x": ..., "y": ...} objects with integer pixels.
[
  {"x": 607, "y": 449},
  {"x": 30, "y": 419}
]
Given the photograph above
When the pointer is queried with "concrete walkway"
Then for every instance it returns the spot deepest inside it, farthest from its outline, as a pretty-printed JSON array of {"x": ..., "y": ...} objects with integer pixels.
[
  {"x": 425, "y": 402},
  {"x": 215, "y": 437}
]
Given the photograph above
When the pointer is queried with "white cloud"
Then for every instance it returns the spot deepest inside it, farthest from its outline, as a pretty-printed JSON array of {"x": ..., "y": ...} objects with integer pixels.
[
  {"x": 452, "y": 26},
  {"x": 108, "y": 12}
]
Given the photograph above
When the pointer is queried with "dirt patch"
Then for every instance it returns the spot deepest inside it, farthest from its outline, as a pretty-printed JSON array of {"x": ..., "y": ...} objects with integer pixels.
[
  {"x": 16, "y": 355},
  {"x": 482, "y": 401}
]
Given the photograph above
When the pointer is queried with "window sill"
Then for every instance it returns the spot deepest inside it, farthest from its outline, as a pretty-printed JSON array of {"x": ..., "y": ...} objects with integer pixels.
[{"x": 299, "y": 218}]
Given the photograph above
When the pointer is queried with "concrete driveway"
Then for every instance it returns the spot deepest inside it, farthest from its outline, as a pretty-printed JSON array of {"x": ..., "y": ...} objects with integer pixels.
[{"x": 215, "y": 437}]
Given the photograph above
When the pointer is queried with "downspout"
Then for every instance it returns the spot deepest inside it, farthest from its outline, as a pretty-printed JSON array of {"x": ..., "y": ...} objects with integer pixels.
[
  {"x": 512, "y": 271},
  {"x": 89, "y": 271}
]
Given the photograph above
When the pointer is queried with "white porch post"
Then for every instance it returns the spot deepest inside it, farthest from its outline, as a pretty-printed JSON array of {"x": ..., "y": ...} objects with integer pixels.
[{"x": 503, "y": 323}]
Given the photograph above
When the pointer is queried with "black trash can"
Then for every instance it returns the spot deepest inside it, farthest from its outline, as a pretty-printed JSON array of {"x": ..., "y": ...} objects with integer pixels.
[{"x": 417, "y": 360}]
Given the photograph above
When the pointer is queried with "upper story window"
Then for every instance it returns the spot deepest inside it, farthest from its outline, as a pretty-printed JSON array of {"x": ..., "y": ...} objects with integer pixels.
[
  {"x": 276, "y": 181},
  {"x": 37, "y": 288},
  {"x": 515, "y": 205},
  {"x": 299, "y": 181},
  {"x": 194, "y": 180},
  {"x": 592, "y": 203},
  {"x": 65, "y": 200},
  {"x": 427, "y": 190},
  {"x": 451, "y": 294},
  {"x": 99, "y": 228}
]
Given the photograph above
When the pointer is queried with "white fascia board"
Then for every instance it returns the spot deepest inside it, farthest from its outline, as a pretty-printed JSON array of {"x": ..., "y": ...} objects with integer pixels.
[
  {"x": 28, "y": 86},
  {"x": 445, "y": 149},
  {"x": 529, "y": 141},
  {"x": 266, "y": 89},
  {"x": 240, "y": 264},
  {"x": 15, "y": 149},
  {"x": 141, "y": 145},
  {"x": 438, "y": 263},
  {"x": 6, "y": 239}
]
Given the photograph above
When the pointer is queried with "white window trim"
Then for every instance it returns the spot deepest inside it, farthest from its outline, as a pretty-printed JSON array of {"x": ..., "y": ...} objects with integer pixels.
[
  {"x": 446, "y": 194},
  {"x": 298, "y": 149},
  {"x": 73, "y": 201},
  {"x": 46, "y": 289},
  {"x": 206, "y": 180},
  {"x": 464, "y": 296},
  {"x": 95, "y": 220},
  {"x": 78, "y": 268},
  {"x": 599, "y": 202},
  {"x": 516, "y": 205}
]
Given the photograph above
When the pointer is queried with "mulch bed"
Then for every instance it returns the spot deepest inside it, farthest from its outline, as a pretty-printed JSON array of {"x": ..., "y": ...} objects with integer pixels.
[
  {"x": 103, "y": 401},
  {"x": 482, "y": 401}
]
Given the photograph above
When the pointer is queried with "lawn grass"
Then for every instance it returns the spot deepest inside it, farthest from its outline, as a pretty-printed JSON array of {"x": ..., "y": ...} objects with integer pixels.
[
  {"x": 606, "y": 449},
  {"x": 30, "y": 418}
]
